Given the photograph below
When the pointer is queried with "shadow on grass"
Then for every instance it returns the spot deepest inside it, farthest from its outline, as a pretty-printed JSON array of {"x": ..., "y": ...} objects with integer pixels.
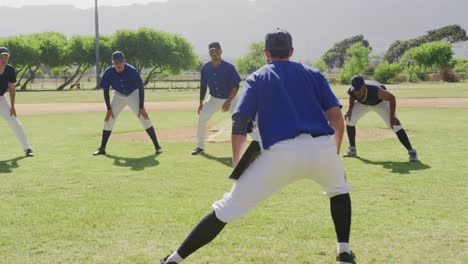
[
  {"x": 7, "y": 166},
  {"x": 136, "y": 164},
  {"x": 400, "y": 167},
  {"x": 226, "y": 161}
]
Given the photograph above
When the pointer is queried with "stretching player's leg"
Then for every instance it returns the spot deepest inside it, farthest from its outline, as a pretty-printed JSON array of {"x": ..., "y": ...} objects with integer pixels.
[
  {"x": 357, "y": 112},
  {"x": 152, "y": 134},
  {"x": 403, "y": 137},
  {"x": 351, "y": 131},
  {"x": 340, "y": 207},
  {"x": 384, "y": 112},
  {"x": 118, "y": 103},
  {"x": 208, "y": 228},
  {"x": 209, "y": 108},
  {"x": 15, "y": 125}
]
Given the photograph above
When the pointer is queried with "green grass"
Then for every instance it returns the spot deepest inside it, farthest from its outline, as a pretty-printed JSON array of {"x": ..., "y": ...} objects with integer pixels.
[
  {"x": 419, "y": 90},
  {"x": 65, "y": 206}
]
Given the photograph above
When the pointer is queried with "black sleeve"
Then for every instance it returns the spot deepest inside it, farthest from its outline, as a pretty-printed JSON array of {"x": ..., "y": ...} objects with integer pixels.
[
  {"x": 141, "y": 93},
  {"x": 13, "y": 75},
  {"x": 241, "y": 124},
  {"x": 107, "y": 98},
  {"x": 203, "y": 92}
]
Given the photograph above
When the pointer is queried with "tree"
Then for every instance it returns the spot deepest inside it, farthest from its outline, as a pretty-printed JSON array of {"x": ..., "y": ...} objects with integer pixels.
[
  {"x": 426, "y": 57},
  {"x": 320, "y": 65},
  {"x": 24, "y": 54},
  {"x": 253, "y": 60},
  {"x": 356, "y": 62},
  {"x": 155, "y": 51},
  {"x": 450, "y": 34},
  {"x": 336, "y": 56},
  {"x": 386, "y": 72},
  {"x": 79, "y": 54}
]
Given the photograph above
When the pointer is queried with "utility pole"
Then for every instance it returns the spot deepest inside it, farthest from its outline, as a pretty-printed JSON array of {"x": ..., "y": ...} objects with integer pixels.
[{"x": 96, "y": 22}]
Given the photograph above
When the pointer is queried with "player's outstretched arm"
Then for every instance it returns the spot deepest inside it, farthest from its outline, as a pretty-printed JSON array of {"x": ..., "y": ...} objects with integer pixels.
[
  {"x": 388, "y": 96},
  {"x": 12, "y": 92},
  {"x": 335, "y": 117}
]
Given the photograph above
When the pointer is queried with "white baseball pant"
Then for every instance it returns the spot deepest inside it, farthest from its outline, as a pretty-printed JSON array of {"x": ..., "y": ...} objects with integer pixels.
[
  {"x": 279, "y": 165},
  {"x": 13, "y": 123},
  {"x": 382, "y": 108},
  {"x": 210, "y": 106},
  {"x": 119, "y": 102}
]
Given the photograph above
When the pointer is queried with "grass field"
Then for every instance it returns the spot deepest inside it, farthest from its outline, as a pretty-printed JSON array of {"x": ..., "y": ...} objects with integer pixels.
[
  {"x": 66, "y": 206},
  {"x": 420, "y": 90}
]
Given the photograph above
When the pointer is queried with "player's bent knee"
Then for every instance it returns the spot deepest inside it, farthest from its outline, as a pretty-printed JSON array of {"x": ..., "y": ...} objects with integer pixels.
[{"x": 397, "y": 128}]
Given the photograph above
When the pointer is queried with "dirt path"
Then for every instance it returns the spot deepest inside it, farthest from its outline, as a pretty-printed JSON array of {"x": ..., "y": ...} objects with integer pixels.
[{"x": 59, "y": 108}]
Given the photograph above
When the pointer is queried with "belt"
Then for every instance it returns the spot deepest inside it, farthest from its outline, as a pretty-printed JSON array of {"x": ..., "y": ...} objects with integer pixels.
[{"x": 318, "y": 135}]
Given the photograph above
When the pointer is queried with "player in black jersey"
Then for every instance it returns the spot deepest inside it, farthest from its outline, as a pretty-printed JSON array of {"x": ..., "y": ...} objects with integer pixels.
[{"x": 365, "y": 96}]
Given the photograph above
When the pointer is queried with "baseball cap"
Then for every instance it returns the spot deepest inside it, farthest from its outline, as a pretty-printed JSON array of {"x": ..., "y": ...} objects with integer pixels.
[
  {"x": 278, "y": 39},
  {"x": 4, "y": 50},
  {"x": 356, "y": 83},
  {"x": 214, "y": 45},
  {"x": 118, "y": 56}
]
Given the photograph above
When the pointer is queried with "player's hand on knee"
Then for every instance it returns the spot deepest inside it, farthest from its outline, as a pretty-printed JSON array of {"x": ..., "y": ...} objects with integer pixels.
[
  {"x": 200, "y": 108},
  {"x": 347, "y": 115},
  {"x": 13, "y": 112},
  {"x": 109, "y": 114},
  {"x": 394, "y": 121},
  {"x": 143, "y": 113},
  {"x": 226, "y": 106}
]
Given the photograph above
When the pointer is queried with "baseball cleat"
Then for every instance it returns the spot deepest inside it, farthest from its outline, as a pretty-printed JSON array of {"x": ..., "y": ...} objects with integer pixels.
[
  {"x": 346, "y": 258},
  {"x": 413, "y": 155},
  {"x": 29, "y": 153},
  {"x": 351, "y": 152},
  {"x": 100, "y": 151},
  {"x": 159, "y": 150},
  {"x": 197, "y": 151},
  {"x": 163, "y": 261}
]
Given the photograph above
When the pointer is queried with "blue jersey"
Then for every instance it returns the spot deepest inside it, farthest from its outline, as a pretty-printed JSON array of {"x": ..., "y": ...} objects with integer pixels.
[
  {"x": 124, "y": 83},
  {"x": 220, "y": 79},
  {"x": 289, "y": 98}
]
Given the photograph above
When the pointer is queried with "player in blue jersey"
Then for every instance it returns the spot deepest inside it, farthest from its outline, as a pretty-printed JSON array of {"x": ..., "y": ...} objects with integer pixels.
[
  {"x": 301, "y": 128},
  {"x": 222, "y": 79},
  {"x": 128, "y": 90},
  {"x": 366, "y": 96}
]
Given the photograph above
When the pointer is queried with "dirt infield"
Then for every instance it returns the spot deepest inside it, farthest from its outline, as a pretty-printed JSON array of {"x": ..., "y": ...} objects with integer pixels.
[{"x": 60, "y": 108}]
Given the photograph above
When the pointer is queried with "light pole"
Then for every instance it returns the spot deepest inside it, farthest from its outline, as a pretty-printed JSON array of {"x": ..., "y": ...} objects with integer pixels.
[{"x": 96, "y": 22}]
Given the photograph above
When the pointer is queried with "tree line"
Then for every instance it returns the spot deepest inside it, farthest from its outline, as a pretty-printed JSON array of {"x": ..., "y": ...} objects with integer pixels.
[
  {"x": 149, "y": 50},
  {"x": 415, "y": 58}
]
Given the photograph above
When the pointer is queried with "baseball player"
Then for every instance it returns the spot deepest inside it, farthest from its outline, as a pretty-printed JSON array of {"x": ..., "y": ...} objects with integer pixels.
[
  {"x": 301, "y": 128},
  {"x": 365, "y": 96},
  {"x": 128, "y": 90},
  {"x": 223, "y": 81},
  {"x": 8, "y": 112}
]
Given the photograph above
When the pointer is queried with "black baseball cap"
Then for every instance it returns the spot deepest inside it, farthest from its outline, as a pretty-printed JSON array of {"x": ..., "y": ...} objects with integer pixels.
[
  {"x": 4, "y": 50},
  {"x": 356, "y": 83},
  {"x": 118, "y": 56},
  {"x": 214, "y": 45},
  {"x": 278, "y": 39}
]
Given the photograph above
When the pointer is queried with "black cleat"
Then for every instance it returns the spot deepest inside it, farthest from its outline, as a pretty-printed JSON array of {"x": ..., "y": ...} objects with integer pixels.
[
  {"x": 159, "y": 150},
  {"x": 163, "y": 261},
  {"x": 197, "y": 151},
  {"x": 346, "y": 258},
  {"x": 100, "y": 151},
  {"x": 28, "y": 153}
]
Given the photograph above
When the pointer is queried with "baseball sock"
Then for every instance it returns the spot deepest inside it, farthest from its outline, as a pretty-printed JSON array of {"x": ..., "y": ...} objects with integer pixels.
[
  {"x": 152, "y": 135},
  {"x": 403, "y": 137},
  {"x": 351, "y": 130},
  {"x": 340, "y": 207},
  {"x": 174, "y": 257},
  {"x": 202, "y": 234},
  {"x": 105, "y": 137}
]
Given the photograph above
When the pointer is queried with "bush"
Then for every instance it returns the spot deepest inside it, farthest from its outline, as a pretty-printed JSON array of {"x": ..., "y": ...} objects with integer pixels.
[{"x": 386, "y": 72}]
